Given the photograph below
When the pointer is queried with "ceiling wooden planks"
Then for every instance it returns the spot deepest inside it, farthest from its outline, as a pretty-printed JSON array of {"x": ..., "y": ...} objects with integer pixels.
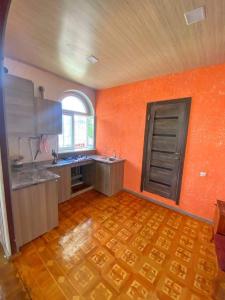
[{"x": 133, "y": 40}]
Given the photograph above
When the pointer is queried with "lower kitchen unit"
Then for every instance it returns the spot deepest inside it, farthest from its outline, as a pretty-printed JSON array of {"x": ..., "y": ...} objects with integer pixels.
[
  {"x": 38, "y": 189},
  {"x": 112, "y": 143}
]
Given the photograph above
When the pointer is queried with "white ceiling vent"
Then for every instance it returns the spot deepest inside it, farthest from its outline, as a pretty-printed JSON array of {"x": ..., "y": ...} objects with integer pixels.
[
  {"x": 195, "y": 15},
  {"x": 92, "y": 59}
]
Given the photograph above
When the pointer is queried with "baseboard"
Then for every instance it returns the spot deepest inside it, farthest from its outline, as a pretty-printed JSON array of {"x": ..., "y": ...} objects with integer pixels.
[{"x": 177, "y": 209}]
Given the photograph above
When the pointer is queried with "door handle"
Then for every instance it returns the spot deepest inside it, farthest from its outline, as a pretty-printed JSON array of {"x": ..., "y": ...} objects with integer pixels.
[{"x": 177, "y": 155}]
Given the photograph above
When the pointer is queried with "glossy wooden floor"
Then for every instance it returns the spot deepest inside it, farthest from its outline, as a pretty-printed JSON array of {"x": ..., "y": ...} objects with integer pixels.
[
  {"x": 121, "y": 247},
  {"x": 11, "y": 287}
]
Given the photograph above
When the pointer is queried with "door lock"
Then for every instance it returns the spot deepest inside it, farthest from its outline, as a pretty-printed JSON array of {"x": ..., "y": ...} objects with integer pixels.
[{"x": 177, "y": 155}]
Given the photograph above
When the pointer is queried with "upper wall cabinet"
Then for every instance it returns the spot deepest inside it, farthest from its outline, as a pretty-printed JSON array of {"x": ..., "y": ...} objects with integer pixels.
[
  {"x": 49, "y": 116},
  {"x": 19, "y": 100},
  {"x": 29, "y": 116}
]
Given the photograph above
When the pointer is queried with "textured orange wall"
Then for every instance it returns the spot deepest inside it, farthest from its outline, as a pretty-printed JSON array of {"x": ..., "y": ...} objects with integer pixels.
[{"x": 121, "y": 122}]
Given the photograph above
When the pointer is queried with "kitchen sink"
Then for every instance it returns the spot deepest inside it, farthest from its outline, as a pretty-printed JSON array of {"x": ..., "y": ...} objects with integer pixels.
[
  {"x": 109, "y": 158},
  {"x": 112, "y": 159}
]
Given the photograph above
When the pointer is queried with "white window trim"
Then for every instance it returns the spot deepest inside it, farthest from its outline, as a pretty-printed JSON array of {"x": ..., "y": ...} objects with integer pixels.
[
  {"x": 90, "y": 113},
  {"x": 69, "y": 113}
]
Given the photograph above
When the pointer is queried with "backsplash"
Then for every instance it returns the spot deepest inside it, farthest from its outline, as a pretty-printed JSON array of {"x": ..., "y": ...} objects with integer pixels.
[
  {"x": 52, "y": 143},
  {"x": 22, "y": 147}
]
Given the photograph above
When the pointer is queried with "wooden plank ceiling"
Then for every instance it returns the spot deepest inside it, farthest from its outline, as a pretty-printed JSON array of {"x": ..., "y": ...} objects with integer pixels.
[{"x": 133, "y": 39}]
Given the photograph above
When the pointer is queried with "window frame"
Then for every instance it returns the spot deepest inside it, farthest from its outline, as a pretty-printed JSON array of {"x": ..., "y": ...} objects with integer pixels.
[{"x": 90, "y": 112}]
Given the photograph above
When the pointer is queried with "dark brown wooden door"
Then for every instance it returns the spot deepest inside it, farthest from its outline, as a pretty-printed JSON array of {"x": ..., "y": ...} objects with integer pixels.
[{"x": 164, "y": 148}]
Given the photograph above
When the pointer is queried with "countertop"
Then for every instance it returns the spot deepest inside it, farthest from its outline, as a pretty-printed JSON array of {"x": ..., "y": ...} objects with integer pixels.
[
  {"x": 35, "y": 173},
  {"x": 30, "y": 176},
  {"x": 107, "y": 159},
  {"x": 71, "y": 162},
  {"x": 87, "y": 160}
]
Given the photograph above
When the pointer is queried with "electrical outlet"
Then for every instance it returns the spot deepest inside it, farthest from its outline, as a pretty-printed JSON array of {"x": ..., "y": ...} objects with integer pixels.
[{"x": 202, "y": 174}]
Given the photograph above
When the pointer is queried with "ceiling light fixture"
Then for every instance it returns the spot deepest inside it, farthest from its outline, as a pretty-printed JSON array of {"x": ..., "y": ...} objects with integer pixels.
[
  {"x": 92, "y": 59},
  {"x": 195, "y": 15}
]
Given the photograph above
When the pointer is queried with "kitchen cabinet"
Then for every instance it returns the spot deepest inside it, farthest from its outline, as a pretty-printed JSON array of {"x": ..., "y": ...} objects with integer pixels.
[
  {"x": 48, "y": 117},
  {"x": 35, "y": 211},
  {"x": 26, "y": 115},
  {"x": 19, "y": 105},
  {"x": 64, "y": 182},
  {"x": 109, "y": 177}
]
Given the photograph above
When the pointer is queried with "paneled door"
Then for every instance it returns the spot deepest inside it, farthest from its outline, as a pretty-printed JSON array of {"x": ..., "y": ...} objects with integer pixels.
[{"x": 164, "y": 148}]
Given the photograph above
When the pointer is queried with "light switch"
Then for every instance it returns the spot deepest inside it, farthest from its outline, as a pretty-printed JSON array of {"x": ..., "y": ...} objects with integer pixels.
[{"x": 202, "y": 174}]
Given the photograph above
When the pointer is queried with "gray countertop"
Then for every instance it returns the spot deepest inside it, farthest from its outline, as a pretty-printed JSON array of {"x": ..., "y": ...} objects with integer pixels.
[
  {"x": 35, "y": 173},
  {"x": 87, "y": 160},
  {"x": 70, "y": 162},
  {"x": 107, "y": 159},
  {"x": 30, "y": 176}
]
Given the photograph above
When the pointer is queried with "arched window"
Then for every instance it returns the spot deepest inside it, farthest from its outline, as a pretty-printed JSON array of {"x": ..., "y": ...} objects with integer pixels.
[{"x": 78, "y": 123}]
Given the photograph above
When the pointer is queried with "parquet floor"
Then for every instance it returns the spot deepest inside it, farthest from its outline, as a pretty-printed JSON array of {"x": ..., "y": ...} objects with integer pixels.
[
  {"x": 120, "y": 247},
  {"x": 11, "y": 287}
]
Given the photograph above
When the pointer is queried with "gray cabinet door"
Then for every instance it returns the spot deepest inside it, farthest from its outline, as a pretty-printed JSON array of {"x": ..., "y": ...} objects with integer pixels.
[
  {"x": 109, "y": 177},
  {"x": 35, "y": 211},
  {"x": 64, "y": 182},
  {"x": 19, "y": 105},
  {"x": 102, "y": 178},
  {"x": 49, "y": 116}
]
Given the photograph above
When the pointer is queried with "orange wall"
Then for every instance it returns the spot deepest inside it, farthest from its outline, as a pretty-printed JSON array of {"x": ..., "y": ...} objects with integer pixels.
[{"x": 121, "y": 122}]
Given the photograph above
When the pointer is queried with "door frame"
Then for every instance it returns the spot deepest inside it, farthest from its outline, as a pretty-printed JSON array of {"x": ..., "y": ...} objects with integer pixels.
[
  {"x": 187, "y": 101},
  {"x": 4, "y": 9}
]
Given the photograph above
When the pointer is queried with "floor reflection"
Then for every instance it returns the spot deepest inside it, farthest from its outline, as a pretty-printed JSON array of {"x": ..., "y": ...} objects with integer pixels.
[{"x": 79, "y": 237}]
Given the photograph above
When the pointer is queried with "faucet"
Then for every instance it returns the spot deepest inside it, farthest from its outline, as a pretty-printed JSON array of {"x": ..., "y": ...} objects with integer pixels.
[{"x": 55, "y": 157}]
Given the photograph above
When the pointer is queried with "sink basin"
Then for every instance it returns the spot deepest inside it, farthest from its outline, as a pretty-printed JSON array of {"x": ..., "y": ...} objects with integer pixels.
[
  {"x": 109, "y": 158},
  {"x": 112, "y": 159}
]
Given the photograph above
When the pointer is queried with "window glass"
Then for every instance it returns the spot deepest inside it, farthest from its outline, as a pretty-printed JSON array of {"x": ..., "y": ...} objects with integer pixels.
[
  {"x": 78, "y": 129},
  {"x": 73, "y": 103},
  {"x": 80, "y": 125},
  {"x": 66, "y": 138}
]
